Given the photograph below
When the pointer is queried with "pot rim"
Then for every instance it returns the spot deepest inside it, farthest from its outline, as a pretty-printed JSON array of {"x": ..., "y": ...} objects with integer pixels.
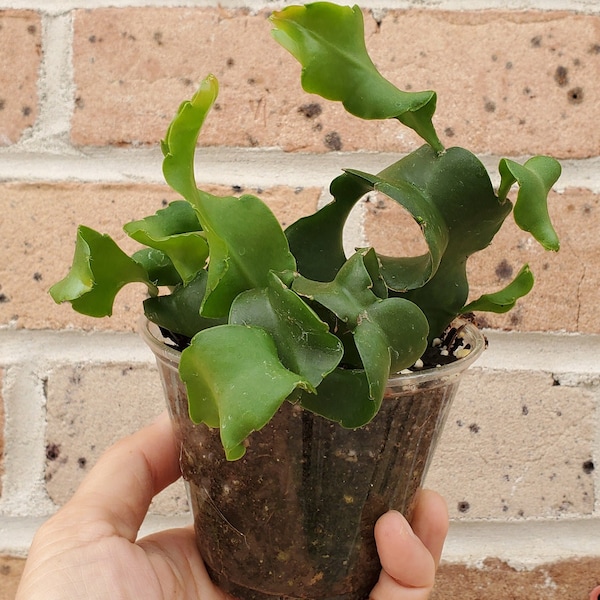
[{"x": 151, "y": 334}]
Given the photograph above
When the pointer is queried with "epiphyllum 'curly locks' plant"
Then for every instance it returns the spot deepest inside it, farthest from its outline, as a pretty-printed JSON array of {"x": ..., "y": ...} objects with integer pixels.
[{"x": 276, "y": 315}]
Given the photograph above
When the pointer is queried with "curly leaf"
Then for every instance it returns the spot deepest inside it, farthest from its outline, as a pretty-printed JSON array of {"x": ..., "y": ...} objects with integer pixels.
[
  {"x": 240, "y": 387},
  {"x": 179, "y": 311},
  {"x": 347, "y": 295},
  {"x": 158, "y": 265},
  {"x": 404, "y": 273},
  {"x": 245, "y": 239},
  {"x": 327, "y": 40},
  {"x": 176, "y": 231},
  {"x": 535, "y": 178},
  {"x": 389, "y": 334},
  {"x": 303, "y": 341},
  {"x": 100, "y": 269},
  {"x": 505, "y": 299},
  {"x": 179, "y": 144},
  {"x": 317, "y": 239},
  {"x": 246, "y": 243},
  {"x": 452, "y": 196}
]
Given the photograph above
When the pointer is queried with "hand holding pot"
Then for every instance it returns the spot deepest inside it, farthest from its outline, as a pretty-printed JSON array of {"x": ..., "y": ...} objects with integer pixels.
[{"x": 88, "y": 549}]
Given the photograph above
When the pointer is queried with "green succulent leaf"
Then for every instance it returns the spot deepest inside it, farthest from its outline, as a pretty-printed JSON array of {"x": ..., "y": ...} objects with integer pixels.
[
  {"x": 389, "y": 334},
  {"x": 303, "y": 341},
  {"x": 179, "y": 311},
  {"x": 404, "y": 273},
  {"x": 245, "y": 239},
  {"x": 246, "y": 243},
  {"x": 99, "y": 270},
  {"x": 174, "y": 230},
  {"x": 535, "y": 178},
  {"x": 344, "y": 397},
  {"x": 179, "y": 144},
  {"x": 505, "y": 299},
  {"x": 328, "y": 40},
  {"x": 452, "y": 198},
  {"x": 240, "y": 387},
  {"x": 317, "y": 240},
  {"x": 347, "y": 295},
  {"x": 158, "y": 265}
]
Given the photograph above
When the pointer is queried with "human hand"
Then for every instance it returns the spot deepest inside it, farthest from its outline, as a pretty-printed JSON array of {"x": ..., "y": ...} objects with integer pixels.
[
  {"x": 410, "y": 555},
  {"x": 88, "y": 549}
]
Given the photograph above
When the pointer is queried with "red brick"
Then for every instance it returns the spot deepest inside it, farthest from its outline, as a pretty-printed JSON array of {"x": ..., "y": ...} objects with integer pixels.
[
  {"x": 11, "y": 569},
  {"x": 508, "y": 82},
  {"x": 20, "y": 58},
  {"x": 495, "y": 580}
]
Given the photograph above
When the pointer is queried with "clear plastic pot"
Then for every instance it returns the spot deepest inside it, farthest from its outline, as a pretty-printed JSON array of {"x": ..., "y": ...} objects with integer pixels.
[{"x": 293, "y": 519}]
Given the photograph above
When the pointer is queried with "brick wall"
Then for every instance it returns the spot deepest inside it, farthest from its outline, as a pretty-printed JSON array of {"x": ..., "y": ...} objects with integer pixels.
[{"x": 85, "y": 96}]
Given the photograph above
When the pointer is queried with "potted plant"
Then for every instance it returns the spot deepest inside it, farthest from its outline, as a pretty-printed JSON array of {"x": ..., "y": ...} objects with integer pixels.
[{"x": 308, "y": 388}]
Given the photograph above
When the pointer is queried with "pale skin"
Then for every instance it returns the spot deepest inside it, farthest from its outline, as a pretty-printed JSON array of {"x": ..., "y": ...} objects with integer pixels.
[{"x": 88, "y": 549}]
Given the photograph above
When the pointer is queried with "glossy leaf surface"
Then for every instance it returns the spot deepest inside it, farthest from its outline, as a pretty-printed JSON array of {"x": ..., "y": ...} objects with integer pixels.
[
  {"x": 535, "y": 178},
  {"x": 389, "y": 334},
  {"x": 174, "y": 230},
  {"x": 303, "y": 341},
  {"x": 328, "y": 41},
  {"x": 158, "y": 265},
  {"x": 239, "y": 387},
  {"x": 505, "y": 299},
  {"x": 100, "y": 269},
  {"x": 179, "y": 311}
]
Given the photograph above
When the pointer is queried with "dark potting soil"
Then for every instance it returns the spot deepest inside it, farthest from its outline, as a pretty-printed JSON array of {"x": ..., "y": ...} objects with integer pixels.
[{"x": 293, "y": 519}]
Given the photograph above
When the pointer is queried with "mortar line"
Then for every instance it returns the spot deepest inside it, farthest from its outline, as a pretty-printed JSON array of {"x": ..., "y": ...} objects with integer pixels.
[
  {"x": 60, "y": 6},
  {"x": 23, "y": 487},
  {"x": 231, "y": 166},
  {"x": 51, "y": 132}
]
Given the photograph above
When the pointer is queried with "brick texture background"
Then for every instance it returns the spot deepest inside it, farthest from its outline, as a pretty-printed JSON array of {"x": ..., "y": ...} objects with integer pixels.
[{"x": 85, "y": 85}]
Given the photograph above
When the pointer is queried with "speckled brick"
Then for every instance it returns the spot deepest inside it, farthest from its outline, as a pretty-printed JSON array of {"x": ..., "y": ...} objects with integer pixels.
[
  {"x": 516, "y": 445},
  {"x": 89, "y": 408},
  {"x": 564, "y": 295},
  {"x": 2, "y": 430},
  {"x": 38, "y": 231},
  {"x": 10, "y": 574},
  {"x": 508, "y": 82},
  {"x": 20, "y": 43},
  {"x": 495, "y": 580}
]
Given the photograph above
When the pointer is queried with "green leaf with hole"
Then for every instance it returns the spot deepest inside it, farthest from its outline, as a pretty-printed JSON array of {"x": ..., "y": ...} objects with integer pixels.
[
  {"x": 505, "y": 299},
  {"x": 239, "y": 387},
  {"x": 451, "y": 197},
  {"x": 328, "y": 40},
  {"x": 99, "y": 270},
  {"x": 404, "y": 273}
]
